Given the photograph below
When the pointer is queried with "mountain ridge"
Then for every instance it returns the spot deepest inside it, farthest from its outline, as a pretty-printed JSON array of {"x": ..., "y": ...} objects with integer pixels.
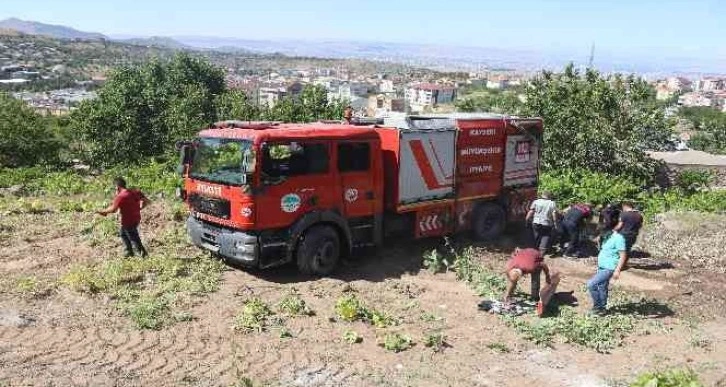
[{"x": 51, "y": 30}]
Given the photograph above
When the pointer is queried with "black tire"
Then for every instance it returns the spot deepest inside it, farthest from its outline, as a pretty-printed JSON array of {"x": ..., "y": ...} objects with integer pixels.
[
  {"x": 488, "y": 221},
  {"x": 318, "y": 252}
]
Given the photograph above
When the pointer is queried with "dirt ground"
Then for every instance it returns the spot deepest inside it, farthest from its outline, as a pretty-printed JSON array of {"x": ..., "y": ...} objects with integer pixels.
[{"x": 56, "y": 337}]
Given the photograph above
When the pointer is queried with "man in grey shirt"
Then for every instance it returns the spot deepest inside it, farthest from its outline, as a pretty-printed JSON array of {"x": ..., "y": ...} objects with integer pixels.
[{"x": 543, "y": 214}]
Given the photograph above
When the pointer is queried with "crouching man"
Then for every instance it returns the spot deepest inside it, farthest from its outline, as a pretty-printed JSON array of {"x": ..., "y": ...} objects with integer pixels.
[{"x": 525, "y": 261}]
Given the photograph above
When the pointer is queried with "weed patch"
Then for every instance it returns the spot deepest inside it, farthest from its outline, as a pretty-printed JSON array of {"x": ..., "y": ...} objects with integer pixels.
[
  {"x": 146, "y": 289},
  {"x": 351, "y": 337},
  {"x": 436, "y": 341},
  {"x": 498, "y": 347},
  {"x": 255, "y": 316},
  {"x": 350, "y": 308},
  {"x": 668, "y": 378},
  {"x": 293, "y": 305},
  {"x": 396, "y": 342},
  {"x": 599, "y": 333}
]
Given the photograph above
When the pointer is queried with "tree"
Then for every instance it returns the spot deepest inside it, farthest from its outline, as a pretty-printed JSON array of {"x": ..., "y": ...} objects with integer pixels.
[
  {"x": 710, "y": 126},
  {"x": 26, "y": 138},
  {"x": 142, "y": 110},
  {"x": 602, "y": 124}
]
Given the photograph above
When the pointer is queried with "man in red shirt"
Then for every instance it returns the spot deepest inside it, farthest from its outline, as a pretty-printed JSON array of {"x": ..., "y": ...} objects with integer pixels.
[
  {"x": 525, "y": 261},
  {"x": 128, "y": 202}
]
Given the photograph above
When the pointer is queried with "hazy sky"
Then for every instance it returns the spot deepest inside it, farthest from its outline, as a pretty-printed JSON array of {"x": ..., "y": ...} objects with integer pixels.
[{"x": 694, "y": 28}]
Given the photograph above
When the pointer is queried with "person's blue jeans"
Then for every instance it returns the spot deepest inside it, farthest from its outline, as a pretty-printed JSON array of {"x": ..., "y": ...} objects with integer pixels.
[{"x": 598, "y": 287}]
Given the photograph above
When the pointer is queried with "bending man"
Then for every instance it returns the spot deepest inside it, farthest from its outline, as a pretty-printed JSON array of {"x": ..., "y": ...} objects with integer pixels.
[{"x": 526, "y": 261}]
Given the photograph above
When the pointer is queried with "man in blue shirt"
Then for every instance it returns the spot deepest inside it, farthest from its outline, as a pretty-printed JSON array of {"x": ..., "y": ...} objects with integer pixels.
[{"x": 610, "y": 262}]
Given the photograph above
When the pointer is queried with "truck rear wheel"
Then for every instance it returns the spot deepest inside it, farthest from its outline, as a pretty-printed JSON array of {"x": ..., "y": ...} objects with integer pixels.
[
  {"x": 319, "y": 251},
  {"x": 488, "y": 221}
]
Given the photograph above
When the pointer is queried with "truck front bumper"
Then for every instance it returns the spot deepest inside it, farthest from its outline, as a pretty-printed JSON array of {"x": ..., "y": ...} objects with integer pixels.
[{"x": 236, "y": 246}]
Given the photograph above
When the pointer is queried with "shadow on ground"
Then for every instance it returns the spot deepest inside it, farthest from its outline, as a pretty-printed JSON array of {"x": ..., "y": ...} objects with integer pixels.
[
  {"x": 560, "y": 299},
  {"x": 644, "y": 308}
]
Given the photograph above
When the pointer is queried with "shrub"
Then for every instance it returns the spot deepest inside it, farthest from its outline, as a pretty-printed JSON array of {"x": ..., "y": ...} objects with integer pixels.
[{"x": 695, "y": 180}]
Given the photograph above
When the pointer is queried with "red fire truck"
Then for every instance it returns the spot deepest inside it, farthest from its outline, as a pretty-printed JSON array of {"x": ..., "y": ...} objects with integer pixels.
[{"x": 265, "y": 194}]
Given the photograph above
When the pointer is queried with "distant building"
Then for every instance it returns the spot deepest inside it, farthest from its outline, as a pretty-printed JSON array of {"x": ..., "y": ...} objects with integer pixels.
[
  {"x": 270, "y": 96},
  {"x": 386, "y": 86},
  {"x": 663, "y": 92},
  {"x": 349, "y": 90},
  {"x": 423, "y": 95},
  {"x": 498, "y": 84},
  {"x": 694, "y": 99},
  {"x": 678, "y": 84},
  {"x": 382, "y": 105},
  {"x": 709, "y": 84}
]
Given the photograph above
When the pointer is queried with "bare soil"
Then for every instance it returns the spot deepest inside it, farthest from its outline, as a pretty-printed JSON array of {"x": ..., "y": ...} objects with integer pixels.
[{"x": 52, "y": 336}]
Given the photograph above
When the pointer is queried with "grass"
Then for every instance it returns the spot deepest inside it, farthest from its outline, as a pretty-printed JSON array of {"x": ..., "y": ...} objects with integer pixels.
[
  {"x": 498, "y": 347},
  {"x": 430, "y": 317},
  {"x": 146, "y": 289},
  {"x": 396, "y": 342},
  {"x": 668, "y": 378},
  {"x": 26, "y": 285}
]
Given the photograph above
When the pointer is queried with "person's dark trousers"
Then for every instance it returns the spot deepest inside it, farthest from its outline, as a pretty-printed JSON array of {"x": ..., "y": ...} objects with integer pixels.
[
  {"x": 130, "y": 235},
  {"x": 534, "y": 291},
  {"x": 542, "y": 235},
  {"x": 572, "y": 236}
]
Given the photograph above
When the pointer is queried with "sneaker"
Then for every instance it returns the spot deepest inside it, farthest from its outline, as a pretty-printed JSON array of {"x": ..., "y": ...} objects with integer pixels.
[
  {"x": 596, "y": 312},
  {"x": 129, "y": 255}
]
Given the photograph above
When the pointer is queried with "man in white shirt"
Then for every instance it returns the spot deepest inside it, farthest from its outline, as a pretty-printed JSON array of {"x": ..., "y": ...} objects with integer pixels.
[{"x": 543, "y": 214}]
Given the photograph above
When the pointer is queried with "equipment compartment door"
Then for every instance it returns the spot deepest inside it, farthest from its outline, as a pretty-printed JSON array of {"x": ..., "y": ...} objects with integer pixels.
[{"x": 357, "y": 170}]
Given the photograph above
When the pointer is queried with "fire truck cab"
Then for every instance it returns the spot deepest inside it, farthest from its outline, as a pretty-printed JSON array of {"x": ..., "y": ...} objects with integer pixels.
[{"x": 266, "y": 194}]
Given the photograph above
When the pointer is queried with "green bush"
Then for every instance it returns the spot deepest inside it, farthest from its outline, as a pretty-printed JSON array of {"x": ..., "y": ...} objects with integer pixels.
[
  {"x": 573, "y": 186},
  {"x": 692, "y": 181},
  {"x": 27, "y": 138}
]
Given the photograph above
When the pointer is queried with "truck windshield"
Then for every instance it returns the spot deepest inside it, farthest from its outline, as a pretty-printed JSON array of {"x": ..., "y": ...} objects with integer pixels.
[{"x": 224, "y": 161}]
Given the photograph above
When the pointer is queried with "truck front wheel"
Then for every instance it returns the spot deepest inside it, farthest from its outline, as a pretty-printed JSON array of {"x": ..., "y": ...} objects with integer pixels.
[
  {"x": 318, "y": 251},
  {"x": 488, "y": 221}
]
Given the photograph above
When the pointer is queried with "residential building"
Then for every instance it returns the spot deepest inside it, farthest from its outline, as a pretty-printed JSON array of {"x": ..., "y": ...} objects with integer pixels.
[
  {"x": 709, "y": 84},
  {"x": 694, "y": 99},
  {"x": 348, "y": 90},
  {"x": 499, "y": 84},
  {"x": 381, "y": 105},
  {"x": 422, "y": 95},
  {"x": 678, "y": 84},
  {"x": 269, "y": 96}
]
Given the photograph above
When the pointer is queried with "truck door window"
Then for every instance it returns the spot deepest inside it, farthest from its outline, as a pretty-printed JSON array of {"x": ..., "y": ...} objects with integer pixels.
[
  {"x": 354, "y": 157},
  {"x": 281, "y": 160}
]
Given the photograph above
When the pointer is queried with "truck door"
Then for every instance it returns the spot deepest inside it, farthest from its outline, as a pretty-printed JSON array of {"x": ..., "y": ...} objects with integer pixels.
[
  {"x": 357, "y": 178},
  {"x": 361, "y": 182},
  {"x": 295, "y": 178}
]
